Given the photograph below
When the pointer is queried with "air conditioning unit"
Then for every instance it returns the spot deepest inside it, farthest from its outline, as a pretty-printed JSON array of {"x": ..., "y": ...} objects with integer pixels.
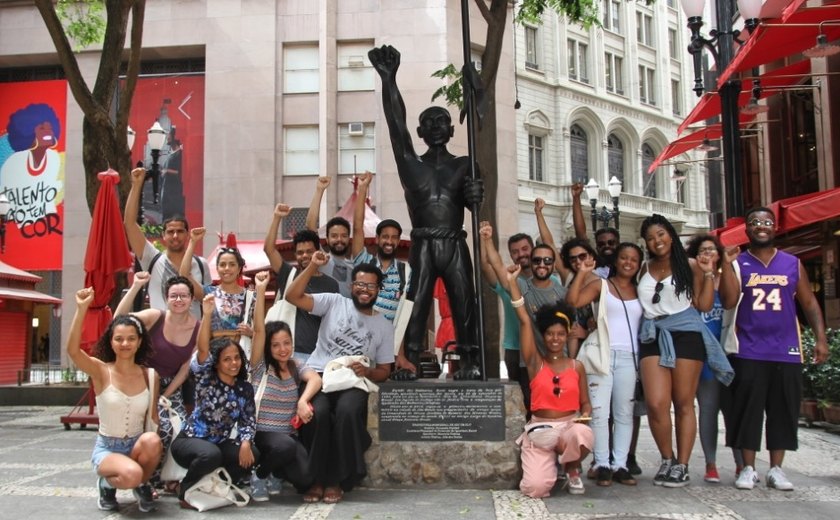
[
  {"x": 355, "y": 129},
  {"x": 355, "y": 61}
]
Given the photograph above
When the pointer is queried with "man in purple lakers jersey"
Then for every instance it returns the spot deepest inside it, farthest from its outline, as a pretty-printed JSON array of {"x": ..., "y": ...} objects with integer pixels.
[{"x": 763, "y": 284}]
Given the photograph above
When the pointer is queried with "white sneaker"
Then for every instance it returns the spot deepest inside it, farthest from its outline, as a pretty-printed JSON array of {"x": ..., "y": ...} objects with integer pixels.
[
  {"x": 747, "y": 478},
  {"x": 575, "y": 484},
  {"x": 776, "y": 479}
]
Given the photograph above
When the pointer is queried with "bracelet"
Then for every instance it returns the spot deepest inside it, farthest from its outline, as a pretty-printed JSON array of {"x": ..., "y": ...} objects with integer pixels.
[
  {"x": 518, "y": 303},
  {"x": 709, "y": 275}
]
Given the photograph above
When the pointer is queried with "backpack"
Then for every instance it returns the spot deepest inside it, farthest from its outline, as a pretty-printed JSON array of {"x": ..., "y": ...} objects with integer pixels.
[{"x": 140, "y": 299}]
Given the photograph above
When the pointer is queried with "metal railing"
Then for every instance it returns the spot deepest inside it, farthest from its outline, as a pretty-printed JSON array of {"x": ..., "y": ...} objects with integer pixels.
[{"x": 49, "y": 375}]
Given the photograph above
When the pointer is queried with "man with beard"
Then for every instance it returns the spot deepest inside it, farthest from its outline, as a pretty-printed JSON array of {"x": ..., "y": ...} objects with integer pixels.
[
  {"x": 387, "y": 239},
  {"x": 306, "y": 243},
  {"x": 340, "y": 261},
  {"x": 165, "y": 265},
  {"x": 539, "y": 290},
  {"x": 762, "y": 285},
  {"x": 338, "y": 436}
]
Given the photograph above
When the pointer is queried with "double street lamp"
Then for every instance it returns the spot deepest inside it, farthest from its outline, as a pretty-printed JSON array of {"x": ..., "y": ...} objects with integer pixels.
[
  {"x": 721, "y": 45},
  {"x": 603, "y": 215}
]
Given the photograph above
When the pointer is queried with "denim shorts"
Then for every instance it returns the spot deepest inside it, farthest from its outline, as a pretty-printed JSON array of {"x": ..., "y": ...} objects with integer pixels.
[{"x": 105, "y": 446}]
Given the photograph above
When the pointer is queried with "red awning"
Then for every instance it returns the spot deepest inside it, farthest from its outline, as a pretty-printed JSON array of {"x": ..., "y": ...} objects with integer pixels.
[
  {"x": 709, "y": 105},
  {"x": 791, "y": 214},
  {"x": 692, "y": 141},
  {"x": 782, "y": 37}
]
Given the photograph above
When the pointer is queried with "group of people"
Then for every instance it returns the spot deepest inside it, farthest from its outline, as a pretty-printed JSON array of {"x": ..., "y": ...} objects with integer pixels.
[
  {"x": 595, "y": 338},
  {"x": 248, "y": 392},
  {"x": 607, "y": 336}
]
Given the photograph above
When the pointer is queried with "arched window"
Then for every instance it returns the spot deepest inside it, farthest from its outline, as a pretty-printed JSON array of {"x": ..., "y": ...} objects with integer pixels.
[
  {"x": 615, "y": 158},
  {"x": 579, "y": 147},
  {"x": 649, "y": 179}
]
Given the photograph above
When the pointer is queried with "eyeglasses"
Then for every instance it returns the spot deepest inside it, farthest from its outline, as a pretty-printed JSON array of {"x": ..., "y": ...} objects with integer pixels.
[
  {"x": 544, "y": 260},
  {"x": 579, "y": 258},
  {"x": 370, "y": 286},
  {"x": 759, "y": 222},
  {"x": 707, "y": 250},
  {"x": 557, "y": 390},
  {"x": 656, "y": 290},
  {"x": 176, "y": 297},
  {"x": 606, "y": 243}
]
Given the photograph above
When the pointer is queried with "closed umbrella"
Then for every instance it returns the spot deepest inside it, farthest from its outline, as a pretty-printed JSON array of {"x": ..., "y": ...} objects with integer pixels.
[{"x": 107, "y": 254}]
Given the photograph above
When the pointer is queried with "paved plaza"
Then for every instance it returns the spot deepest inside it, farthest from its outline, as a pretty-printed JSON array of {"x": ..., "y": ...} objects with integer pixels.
[{"x": 45, "y": 473}]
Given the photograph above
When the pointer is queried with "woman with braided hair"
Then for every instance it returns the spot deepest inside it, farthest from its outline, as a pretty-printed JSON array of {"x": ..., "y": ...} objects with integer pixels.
[{"x": 674, "y": 343}]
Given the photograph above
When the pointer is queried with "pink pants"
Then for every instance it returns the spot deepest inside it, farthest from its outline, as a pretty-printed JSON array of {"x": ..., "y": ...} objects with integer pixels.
[{"x": 541, "y": 447}]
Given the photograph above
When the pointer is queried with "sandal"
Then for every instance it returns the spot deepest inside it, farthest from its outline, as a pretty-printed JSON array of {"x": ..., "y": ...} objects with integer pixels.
[
  {"x": 333, "y": 495},
  {"x": 314, "y": 494}
]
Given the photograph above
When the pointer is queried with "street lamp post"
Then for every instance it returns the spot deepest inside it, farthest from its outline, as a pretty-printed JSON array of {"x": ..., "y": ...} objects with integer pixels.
[
  {"x": 5, "y": 207},
  {"x": 603, "y": 215},
  {"x": 156, "y": 136},
  {"x": 721, "y": 44}
]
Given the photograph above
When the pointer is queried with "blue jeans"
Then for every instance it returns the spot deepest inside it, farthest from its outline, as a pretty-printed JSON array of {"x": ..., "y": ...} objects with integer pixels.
[{"x": 613, "y": 392}]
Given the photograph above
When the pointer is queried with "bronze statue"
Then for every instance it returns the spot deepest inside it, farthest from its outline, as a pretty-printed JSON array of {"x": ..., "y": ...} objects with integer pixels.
[{"x": 437, "y": 188}]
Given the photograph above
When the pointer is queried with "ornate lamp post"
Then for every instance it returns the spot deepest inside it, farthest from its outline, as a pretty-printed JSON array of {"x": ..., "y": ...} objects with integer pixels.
[
  {"x": 720, "y": 44},
  {"x": 604, "y": 215},
  {"x": 156, "y": 136},
  {"x": 5, "y": 207}
]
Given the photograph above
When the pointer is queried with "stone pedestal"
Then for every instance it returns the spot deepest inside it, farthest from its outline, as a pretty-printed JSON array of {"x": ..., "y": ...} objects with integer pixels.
[{"x": 447, "y": 464}]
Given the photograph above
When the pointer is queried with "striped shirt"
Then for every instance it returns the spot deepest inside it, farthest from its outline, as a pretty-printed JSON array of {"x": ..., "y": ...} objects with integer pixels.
[{"x": 278, "y": 404}]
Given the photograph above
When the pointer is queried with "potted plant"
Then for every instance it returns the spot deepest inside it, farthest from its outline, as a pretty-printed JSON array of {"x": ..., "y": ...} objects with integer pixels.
[
  {"x": 829, "y": 380},
  {"x": 809, "y": 409}
]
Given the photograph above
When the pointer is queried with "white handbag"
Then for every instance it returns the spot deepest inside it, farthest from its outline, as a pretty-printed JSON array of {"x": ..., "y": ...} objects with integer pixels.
[
  {"x": 283, "y": 310},
  {"x": 339, "y": 376},
  {"x": 171, "y": 471},
  {"x": 215, "y": 490}
]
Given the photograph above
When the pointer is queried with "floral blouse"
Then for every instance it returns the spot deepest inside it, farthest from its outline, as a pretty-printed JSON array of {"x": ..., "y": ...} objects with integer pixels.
[
  {"x": 219, "y": 407},
  {"x": 230, "y": 309}
]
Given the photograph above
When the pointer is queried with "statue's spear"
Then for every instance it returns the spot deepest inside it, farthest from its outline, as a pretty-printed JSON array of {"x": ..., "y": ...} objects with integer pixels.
[{"x": 474, "y": 105}]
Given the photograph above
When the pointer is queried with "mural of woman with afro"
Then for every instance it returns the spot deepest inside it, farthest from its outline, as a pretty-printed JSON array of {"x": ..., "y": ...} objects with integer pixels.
[{"x": 30, "y": 176}]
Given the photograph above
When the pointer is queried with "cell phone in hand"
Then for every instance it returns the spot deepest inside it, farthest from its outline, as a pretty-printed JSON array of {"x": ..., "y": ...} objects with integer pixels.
[{"x": 296, "y": 420}]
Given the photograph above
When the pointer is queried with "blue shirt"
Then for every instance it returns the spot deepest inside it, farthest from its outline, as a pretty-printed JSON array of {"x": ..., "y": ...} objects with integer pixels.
[{"x": 220, "y": 407}]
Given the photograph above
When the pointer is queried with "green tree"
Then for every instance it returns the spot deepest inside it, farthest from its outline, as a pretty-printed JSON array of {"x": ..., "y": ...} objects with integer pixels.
[{"x": 106, "y": 106}]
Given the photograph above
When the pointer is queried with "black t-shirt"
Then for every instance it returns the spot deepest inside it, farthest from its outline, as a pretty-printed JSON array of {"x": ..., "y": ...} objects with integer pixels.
[{"x": 306, "y": 325}]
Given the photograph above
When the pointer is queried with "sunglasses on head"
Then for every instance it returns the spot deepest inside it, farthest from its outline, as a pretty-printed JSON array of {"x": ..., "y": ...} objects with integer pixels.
[
  {"x": 231, "y": 250},
  {"x": 544, "y": 260},
  {"x": 656, "y": 290}
]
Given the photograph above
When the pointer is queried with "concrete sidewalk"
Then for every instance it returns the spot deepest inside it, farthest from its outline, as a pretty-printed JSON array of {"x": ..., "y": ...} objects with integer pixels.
[{"x": 45, "y": 473}]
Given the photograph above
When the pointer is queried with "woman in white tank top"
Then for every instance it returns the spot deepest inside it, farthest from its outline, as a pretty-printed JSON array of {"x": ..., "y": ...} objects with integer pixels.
[{"x": 124, "y": 455}]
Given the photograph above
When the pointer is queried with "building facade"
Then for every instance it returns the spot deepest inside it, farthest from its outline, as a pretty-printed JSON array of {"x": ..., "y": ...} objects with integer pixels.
[{"x": 289, "y": 94}]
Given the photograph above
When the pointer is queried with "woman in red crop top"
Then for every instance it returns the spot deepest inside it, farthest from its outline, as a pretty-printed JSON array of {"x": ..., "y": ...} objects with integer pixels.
[{"x": 559, "y": 399}]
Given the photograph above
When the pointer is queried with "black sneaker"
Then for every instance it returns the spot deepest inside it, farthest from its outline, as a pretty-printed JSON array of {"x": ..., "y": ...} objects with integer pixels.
[
  {"x": 603, "y": 476},
  {"x": 107, "y": 496},
  {"x": 622, "y": 476},
  {"x": 663, "y": 471},
  {"x": 145, "y": 499},
  {"x": 632, "y": 466},
  {"x": 677, "y": 476}
]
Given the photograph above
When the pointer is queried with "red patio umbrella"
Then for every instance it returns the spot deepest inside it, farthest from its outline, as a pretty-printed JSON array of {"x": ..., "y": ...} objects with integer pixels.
[{"x": 107, "y": 254}]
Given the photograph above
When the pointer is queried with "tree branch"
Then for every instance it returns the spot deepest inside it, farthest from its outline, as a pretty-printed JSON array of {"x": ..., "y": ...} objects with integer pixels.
[
  {"x": 68, "y": 61},
  {"x": 482, "y": 7},
  {"x": 138, "y": 14},
  {"x": 107, "y": 77}
]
